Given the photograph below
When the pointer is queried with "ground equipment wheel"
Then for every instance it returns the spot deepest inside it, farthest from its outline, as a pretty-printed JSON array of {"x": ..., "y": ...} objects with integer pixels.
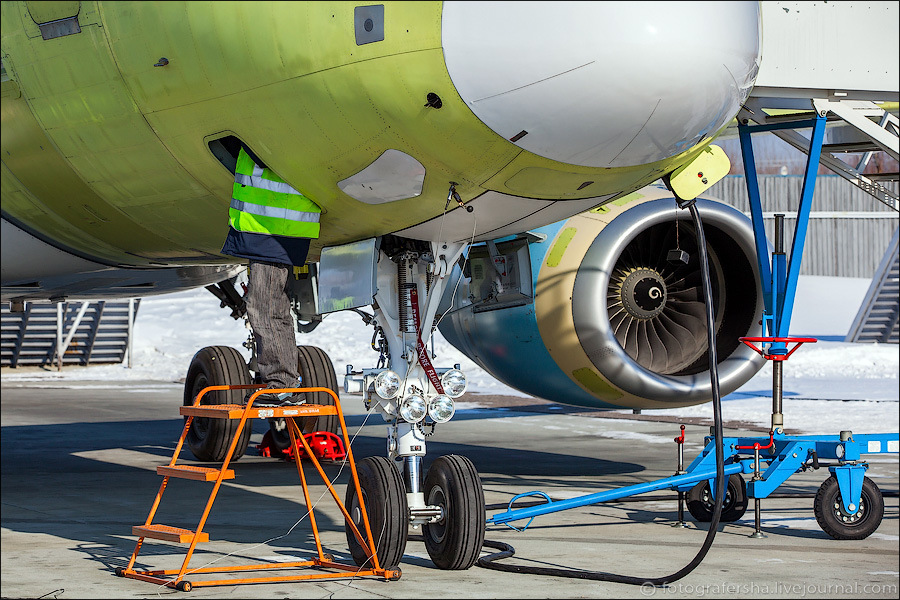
[
  {"x": 209, "y": 439},
  {"x": 384, "y": 495},
  {"x": 700, "y": 501},
  {"x": 837, "y": 522},
  {"x": 454, "y": 543},
  {"x": 316, "y": 370}
]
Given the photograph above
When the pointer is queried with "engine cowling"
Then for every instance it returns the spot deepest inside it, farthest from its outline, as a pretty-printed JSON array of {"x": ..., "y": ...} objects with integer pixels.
[{"x": 597, "y": 311}]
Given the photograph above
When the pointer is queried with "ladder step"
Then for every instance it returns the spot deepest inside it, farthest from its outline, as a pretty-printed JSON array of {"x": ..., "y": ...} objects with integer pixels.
[
  {"x": 236, "y": 411},
  {"x": 892, "y": 176},
  {"x": 192, "y": 472},
  {"x": 852, "y": 147},
  {"x": 168, "y": 533}
]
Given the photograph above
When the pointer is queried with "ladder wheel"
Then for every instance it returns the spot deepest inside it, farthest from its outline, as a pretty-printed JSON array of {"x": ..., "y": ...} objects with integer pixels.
[
  {"x": 836, "y": 522},
  {"x": 454, "y": 543},
  {"x": 209, "y": 439},
  {"x": 384, "y": 495},
  {"x": 184, "y": 586},
  {"x": 700, "y": 503},
  {"x": 120, "y": 571}
]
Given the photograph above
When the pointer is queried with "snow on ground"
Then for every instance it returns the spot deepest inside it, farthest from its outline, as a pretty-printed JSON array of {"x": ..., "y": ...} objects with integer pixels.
[{"x": 828, "y": 386}]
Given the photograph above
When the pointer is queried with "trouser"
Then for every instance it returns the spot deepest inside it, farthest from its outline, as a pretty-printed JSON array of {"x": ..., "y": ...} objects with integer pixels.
[{"x": 269, "y": 311}]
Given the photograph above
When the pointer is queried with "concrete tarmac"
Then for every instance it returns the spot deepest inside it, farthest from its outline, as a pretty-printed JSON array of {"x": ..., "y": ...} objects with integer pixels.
[{"x": 78, "y": 471}]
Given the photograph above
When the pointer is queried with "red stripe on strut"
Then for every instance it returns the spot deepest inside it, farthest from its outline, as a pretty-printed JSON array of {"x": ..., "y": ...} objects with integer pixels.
[{"x": 421, "y": 351}]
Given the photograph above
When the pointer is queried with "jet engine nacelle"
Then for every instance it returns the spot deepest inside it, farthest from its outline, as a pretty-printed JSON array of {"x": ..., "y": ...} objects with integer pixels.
[{"x": 605, "y": 309}]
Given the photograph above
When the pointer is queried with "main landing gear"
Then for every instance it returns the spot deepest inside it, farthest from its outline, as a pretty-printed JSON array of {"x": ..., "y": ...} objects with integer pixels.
[{"x": 208, "y": 439}]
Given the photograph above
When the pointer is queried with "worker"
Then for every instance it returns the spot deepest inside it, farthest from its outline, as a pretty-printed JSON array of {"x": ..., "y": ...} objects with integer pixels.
[{"x": 270, "y": 224}]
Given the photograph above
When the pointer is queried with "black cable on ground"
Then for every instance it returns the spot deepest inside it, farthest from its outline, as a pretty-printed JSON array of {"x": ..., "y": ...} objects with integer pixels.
[{"x": 489, "y": 562}]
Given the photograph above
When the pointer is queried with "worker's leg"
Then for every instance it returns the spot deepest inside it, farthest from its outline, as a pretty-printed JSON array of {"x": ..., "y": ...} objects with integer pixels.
[{"x": 269, "y": 311}]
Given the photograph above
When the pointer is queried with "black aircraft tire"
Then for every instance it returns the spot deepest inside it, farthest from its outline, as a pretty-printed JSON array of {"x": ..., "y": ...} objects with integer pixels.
[
  {"x": 455, "y": 542},
  {"x": 317, "y": 370},
  {"x": 828, "y": 507},
  {"x": 384, "y": 495},
  {"x": 700, "y": 504},
  {"x": 209, "y": 439}
]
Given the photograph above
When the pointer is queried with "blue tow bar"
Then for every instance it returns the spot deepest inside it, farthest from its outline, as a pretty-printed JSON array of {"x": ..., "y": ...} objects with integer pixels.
[{"x": 688, "y": 479}]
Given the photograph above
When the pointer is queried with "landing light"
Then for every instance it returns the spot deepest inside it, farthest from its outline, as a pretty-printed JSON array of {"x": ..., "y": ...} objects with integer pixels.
[
  {"x": 387, "y": 384},
  {"x": 441, "y": 408},
  {"x": 454, "y": 382},
  {"x": 413, "y": 408}
]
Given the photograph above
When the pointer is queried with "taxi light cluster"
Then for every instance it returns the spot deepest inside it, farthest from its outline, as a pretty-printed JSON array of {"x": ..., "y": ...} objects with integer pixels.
[{"x": 414, "y": 407}]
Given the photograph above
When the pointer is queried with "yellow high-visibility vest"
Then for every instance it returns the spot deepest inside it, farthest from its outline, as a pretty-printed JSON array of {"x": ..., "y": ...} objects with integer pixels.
[{"x": 262, "y": 202}]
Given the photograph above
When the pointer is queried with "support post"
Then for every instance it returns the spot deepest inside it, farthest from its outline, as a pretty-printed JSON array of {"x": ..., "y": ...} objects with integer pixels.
[
  {"x": 777, "y": 396},
  {"x": 679, "y": 441},
  {"x": 129, "y": 342},
  {"x": 757, "y": 517},
  {"x": 59, "y": 333}
]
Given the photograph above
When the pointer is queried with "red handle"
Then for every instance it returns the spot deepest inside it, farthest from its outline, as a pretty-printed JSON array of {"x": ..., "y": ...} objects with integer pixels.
[
  {"x": 756, "y": 446},
  {"x": 788, "y": 340}
]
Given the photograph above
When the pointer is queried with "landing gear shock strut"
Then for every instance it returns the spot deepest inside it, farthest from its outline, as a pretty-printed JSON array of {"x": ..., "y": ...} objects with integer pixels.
[{"x": 413, "y": 396}]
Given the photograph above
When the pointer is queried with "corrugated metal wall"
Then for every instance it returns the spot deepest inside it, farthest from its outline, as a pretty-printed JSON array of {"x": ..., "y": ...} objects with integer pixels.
[{"x": 849, "y": 230}]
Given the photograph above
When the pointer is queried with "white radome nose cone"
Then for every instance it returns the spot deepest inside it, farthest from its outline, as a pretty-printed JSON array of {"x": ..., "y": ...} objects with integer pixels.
[{"x": 603, "y": 84}]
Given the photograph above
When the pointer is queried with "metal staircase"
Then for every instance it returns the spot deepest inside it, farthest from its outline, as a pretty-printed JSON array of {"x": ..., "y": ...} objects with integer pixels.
[
  {"x": 87, "y": 333},
  {"x": 877, "y": 320},
  {"x": 857, "y": 126}
]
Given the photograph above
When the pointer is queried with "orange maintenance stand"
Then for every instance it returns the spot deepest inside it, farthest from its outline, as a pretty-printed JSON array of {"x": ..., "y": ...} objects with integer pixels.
[{"x": 175, "y": 578}]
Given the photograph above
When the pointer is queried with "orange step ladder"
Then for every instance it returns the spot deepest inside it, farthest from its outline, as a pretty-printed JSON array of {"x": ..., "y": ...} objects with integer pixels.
[{"x": 175, "y": 578}]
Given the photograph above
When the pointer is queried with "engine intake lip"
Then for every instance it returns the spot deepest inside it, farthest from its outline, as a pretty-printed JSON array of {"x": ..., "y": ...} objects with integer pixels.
[{"x": 592, "y": 319}]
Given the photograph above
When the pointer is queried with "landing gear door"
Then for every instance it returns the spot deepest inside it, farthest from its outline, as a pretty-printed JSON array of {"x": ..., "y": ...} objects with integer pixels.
[
  {"x": 347, "y": 276},
  {"x": 500, "y": 275}
]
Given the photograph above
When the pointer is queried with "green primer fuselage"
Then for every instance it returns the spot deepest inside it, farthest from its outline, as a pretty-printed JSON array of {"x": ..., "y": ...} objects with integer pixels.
[{"x": 106, "y": 155}]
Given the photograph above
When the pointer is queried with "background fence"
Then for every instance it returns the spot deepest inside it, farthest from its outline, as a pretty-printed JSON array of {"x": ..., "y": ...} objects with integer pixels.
[{"x": 849, "y": 230}]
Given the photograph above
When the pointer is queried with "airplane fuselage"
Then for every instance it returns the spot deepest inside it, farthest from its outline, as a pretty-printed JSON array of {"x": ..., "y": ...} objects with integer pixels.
[{"x": 113, "y": 135}]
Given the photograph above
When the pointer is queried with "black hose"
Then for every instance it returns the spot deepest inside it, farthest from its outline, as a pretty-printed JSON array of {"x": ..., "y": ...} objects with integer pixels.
[{"x": 489, "y": 562}]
